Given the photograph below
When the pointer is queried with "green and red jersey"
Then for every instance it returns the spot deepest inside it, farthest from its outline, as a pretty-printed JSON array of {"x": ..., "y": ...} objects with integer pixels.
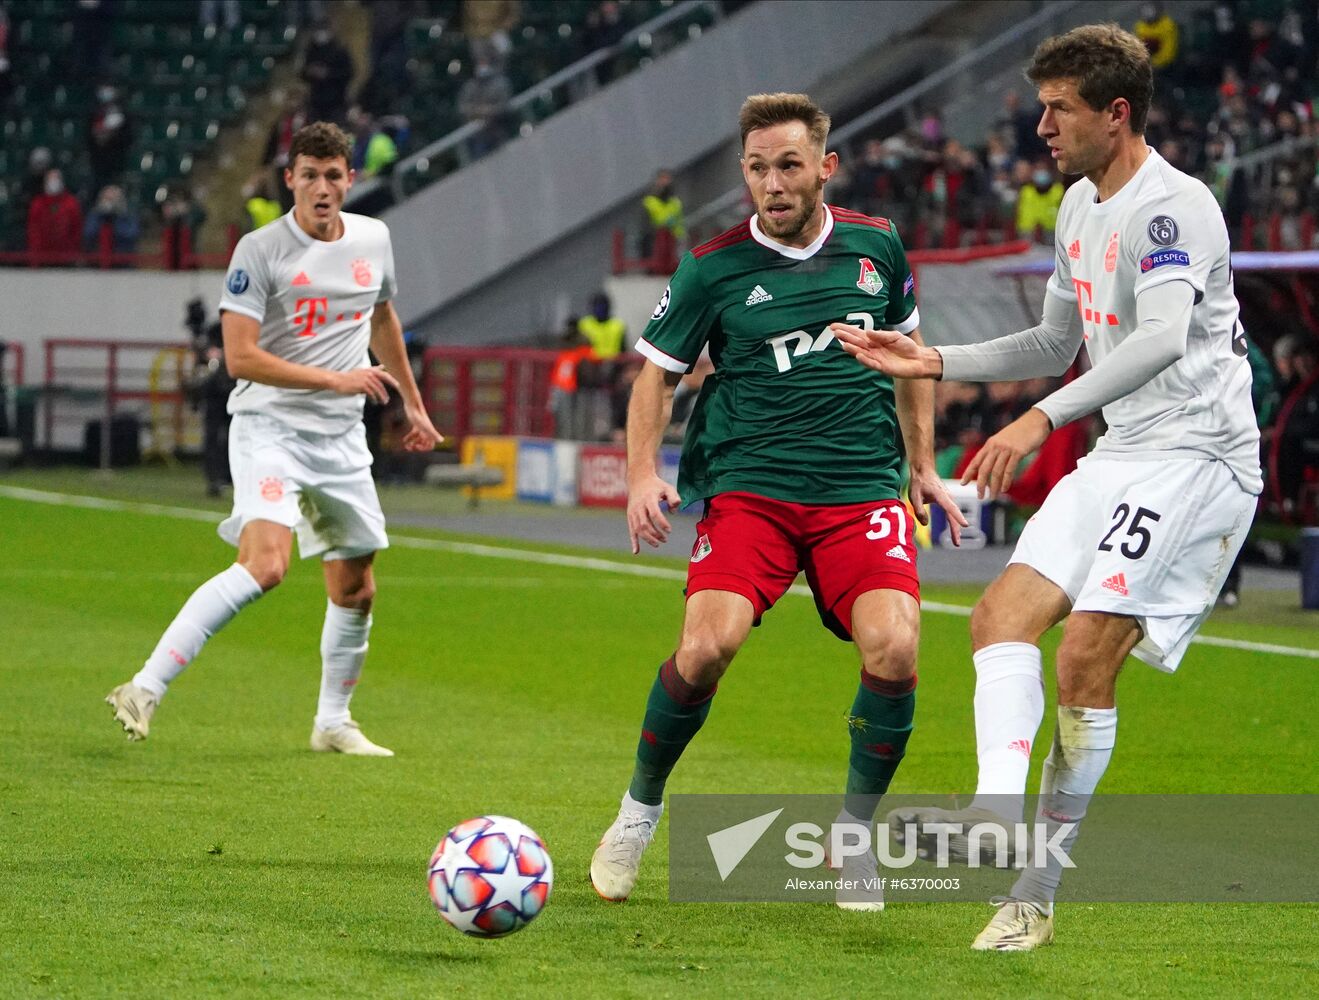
[{"x": 787, "y": 413}]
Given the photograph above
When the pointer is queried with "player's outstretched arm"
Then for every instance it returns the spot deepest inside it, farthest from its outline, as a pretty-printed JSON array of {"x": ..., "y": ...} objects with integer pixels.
[
  {"x": 914, "y": 399},
  {"x": 1047, "y": 349},
  {"x": 889, "y": 352},
  {"x": 1163, "y": 318},
  {"x": 647, "y": 493},
  {"x": 246, "y": 360},
  {"x": 387, "y": 345}
]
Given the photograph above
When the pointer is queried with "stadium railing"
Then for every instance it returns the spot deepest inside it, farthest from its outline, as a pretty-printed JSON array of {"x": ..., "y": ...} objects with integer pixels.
[
  {"x": 175, "y": 254},
  {"x": 14, "y": 364},
  {"x": 481, "y": 390},
  {"x": 414, "y": 172},
  {"x": 100, "y": 383}
]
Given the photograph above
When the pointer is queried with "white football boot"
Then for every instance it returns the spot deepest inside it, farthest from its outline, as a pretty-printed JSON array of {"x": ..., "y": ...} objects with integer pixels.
[
  {"x": 617, "y": 860},
  {"x": 133, "y": 708},
  {"x": 859, "y": 888},
  {"x": 958, "y": 843},
  {"x": 346, "y": 738},
  {"x": 1017, "y": 926}
]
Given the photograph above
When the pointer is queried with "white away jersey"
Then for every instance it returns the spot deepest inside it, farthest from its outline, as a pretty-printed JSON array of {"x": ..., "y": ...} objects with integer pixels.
[
  {"x": 314, "y": 301},
  {"x": 1162, "y": 226}
]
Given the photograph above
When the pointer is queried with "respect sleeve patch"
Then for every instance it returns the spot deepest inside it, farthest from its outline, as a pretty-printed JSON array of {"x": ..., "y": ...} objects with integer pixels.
[{"x": 1164, "y": 257}]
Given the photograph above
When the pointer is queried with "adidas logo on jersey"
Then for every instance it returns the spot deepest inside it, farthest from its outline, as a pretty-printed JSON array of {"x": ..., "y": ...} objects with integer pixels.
[
  {"x": 758, "y": 295},
  {"x": 302, "y": 279},
  {"x": 898, "y": 552},
  {"x": 1074, "y": 251},
  {"x": 1116, "y": 583}
]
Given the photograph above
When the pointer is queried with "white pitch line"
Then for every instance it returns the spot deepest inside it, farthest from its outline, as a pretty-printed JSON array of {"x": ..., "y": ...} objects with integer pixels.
[{"x": 546, "y": 558}]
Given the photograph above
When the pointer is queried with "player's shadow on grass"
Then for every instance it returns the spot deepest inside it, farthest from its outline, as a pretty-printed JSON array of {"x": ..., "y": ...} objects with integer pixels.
[{"x": 424, "y": 958}]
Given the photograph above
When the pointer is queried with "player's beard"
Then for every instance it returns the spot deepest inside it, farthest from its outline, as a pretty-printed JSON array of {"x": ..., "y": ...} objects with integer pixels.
[{"x": 788, "y": 229}]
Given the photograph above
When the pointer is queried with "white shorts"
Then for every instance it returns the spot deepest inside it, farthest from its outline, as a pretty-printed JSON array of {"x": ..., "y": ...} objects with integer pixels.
[
  {"x": 319, "y": 485},
  {"x": 1152, "y": 540}
]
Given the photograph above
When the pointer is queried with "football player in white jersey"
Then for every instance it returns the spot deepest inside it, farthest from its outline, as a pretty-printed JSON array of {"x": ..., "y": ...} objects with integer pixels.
[
  {"x": 304, "y": 298},
  {"x": 1131, "y": 548}
]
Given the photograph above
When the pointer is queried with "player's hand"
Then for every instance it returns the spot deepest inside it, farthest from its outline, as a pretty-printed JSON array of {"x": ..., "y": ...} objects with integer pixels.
[
  {"x": 421, "y": 434},
  {"x": 375, "y": 382},
  {"x": 995, "y": 464},
  {"x": 927, "y": 487},
  {"x": 888, "y": 351},
  {"x": 647, "y": 501}
]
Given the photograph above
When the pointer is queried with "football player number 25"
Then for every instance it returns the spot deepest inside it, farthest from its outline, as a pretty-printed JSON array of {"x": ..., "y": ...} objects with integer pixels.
[{"x": 1138, "y": 535}]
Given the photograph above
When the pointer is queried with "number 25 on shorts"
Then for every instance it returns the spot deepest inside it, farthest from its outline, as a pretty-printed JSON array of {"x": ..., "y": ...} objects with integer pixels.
[{"x": 1138, "y": 535}]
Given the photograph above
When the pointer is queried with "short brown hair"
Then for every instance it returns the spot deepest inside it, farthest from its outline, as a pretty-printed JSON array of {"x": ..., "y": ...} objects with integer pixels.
[
  {"x": 766, "y": 110},
  {"x": 321, "y": 141},
  {"x": 1106, "y": 63}
]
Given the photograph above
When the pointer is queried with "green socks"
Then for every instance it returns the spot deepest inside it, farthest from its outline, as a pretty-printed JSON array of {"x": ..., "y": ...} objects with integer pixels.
[
  {"x": 674, "y": 713},
  {"x": 880, "y": 725}
]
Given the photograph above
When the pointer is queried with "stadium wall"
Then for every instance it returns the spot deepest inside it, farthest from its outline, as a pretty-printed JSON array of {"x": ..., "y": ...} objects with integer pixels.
[
  {"x": 111, "y": 305},
  {"x": 453, "y": 236}
]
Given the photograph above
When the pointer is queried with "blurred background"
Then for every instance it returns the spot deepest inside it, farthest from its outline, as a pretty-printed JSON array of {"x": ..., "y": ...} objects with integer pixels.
[{"x": 542, "y": 165}]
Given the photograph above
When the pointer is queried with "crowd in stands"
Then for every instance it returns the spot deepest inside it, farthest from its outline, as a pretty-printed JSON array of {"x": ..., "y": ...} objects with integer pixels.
[
  {"x": 488, "y": 34},
  {"x": 1231, "y": 79}
]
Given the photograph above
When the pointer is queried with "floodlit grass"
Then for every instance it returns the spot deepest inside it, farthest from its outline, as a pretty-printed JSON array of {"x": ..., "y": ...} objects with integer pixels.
[{"x": 222, "y": 858}]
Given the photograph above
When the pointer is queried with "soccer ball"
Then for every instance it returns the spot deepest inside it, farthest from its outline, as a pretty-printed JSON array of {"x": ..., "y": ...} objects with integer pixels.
[{"x": 490, "y": 876}]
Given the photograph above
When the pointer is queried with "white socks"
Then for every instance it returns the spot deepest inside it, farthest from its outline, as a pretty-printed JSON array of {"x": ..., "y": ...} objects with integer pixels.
[
  {"x": 1082, "y": 748},
  {"x": 206, "y": 612},
  {"x": 1009, "y": 704},
  {"x": 651, "y": 813},
  {"x": 343, "y": 651}
]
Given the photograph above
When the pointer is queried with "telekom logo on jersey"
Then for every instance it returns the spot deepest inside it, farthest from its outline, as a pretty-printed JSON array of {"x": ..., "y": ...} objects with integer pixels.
[
  {"x": 317, "y": 311},
  {"x": 1085, "y": 295},
  {"x": 308, "y": 314}
]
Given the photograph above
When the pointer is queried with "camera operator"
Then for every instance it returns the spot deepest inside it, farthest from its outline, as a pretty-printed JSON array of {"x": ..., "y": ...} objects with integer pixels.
[{"x": 208, "y": 388}]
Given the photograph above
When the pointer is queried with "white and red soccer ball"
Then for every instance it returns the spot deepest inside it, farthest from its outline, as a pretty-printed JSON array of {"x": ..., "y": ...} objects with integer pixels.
[{"x": 490, "y": 876}]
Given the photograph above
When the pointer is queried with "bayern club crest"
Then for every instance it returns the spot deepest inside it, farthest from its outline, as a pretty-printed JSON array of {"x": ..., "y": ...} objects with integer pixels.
[
  {"x": 362, "y": 271},
  {"x": 490, "y": 876},
  {"x": 868, "y": 280}
]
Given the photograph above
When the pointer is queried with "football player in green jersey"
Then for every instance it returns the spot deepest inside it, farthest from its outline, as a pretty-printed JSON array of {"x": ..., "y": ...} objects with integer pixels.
[{"x": 796, "y": 453}]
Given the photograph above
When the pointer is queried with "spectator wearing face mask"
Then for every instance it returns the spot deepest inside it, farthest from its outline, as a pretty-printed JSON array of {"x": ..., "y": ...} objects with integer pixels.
[
  {"x": 112, "y": 211},
  {"x": 1037, "y": 204},
  {"x": 109, "y": 138},
  {"x": 39, "y": 161},
  {"x": 488, "y": 25},
  {"x": 54, "y": 223}
]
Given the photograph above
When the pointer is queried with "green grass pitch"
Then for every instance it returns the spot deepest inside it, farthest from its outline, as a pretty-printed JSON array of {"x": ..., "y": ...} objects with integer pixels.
[{"x": 222, "y": 858}]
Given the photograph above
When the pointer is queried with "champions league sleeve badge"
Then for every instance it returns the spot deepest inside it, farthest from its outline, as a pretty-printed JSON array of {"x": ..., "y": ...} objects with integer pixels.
[
  {"x": 662, "y": 306},
  {"x": 1163, "y": 231}
]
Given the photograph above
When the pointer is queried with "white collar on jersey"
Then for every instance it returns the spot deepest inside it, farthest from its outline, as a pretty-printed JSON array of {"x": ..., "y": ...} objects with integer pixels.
[
  {"x": 305, "y": 238},
  {"x": 804, "y": 253},
  {"x": 1128, "y": 190}
]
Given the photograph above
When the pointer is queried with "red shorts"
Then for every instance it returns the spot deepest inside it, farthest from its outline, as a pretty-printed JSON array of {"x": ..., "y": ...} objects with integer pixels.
[{"x": 755, "y": 546}]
